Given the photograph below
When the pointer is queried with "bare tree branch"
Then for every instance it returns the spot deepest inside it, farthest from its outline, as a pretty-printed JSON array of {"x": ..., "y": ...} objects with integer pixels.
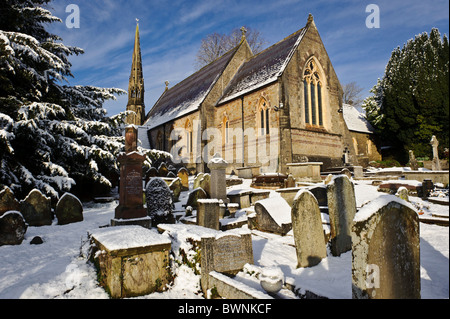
[
  {"x": 352, "y": 93},
  {"x": 215, "y": 45}
]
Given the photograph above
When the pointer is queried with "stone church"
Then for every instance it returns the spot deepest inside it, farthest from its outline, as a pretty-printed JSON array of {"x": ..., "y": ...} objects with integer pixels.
[{"x": 280, "y": 106}]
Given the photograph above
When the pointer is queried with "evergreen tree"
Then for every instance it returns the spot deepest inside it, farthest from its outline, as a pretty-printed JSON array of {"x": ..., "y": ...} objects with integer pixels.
[
  {"x": 410, "y": 103},
  {"x": 53, "y": 137}
]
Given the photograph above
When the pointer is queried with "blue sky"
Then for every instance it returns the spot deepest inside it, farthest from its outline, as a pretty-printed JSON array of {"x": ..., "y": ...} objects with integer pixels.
[{"x": 171, "y": 33}]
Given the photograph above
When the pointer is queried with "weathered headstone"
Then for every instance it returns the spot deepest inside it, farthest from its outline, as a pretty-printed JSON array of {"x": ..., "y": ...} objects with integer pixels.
[
  {"x": 402, "y": 193},
  {"x": 346, "y": 171},
  {"x": 8, "y": 201},
  {"x": 208, "y": 211},
  {"x": 183, "y": 174},
  {"x": 159, "y": 201},
  {"x": 308, "y": 231},
  {"x": 12, "y": 228},
  {"x": 152, "y": 172},
  {"x": 218, "y": 185},
  {"x": 69, "y": 210},
  {"x": 386, "y": 251},
  {"x": 224, "y": 254},
  {"x": 436, "y": 164},
  {"x": 194, "y": 196},
  {"x": 341, "y": 209},
  {"x": 130, "y": 139},
  {"x": 197, "y": 179},
  {"x": 163, "y": 170},
  {"x": 412, "y": 161},
  {"x": 36, "y": 209},
  {"x": 205, "y": 183},
  {"x": 273, "y": 215},
  {"x": 175, "y": 187}
]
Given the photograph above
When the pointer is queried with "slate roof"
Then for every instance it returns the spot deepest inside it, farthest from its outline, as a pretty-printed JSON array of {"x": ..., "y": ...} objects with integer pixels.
[
  {"x": 264, "y": 68},
  {"x": 356, "y": 120},
  {"x": 186, "y": 96}
]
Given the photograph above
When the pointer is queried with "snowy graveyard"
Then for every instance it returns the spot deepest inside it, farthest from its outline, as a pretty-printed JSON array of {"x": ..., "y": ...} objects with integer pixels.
[{"x": 59, "y": 267}]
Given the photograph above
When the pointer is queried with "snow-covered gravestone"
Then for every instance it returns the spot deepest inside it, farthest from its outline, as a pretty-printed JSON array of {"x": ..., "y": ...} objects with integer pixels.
[
  {"x": 342, "y": 210},
  {"x": 208, "y": 213},
  {"x": 273, "y": 215},
  {"x": 225, "y": 253},
  {"x": 183, "y": 174},
  {"x": 308, "y": 231},
  {"x": 159, "y": 201},
  {"x": 69, "y": 210},
  {"x": 36, "y": 209},
  {"x": 386, "y": 250},
  {"x": 8, "y": 201}
]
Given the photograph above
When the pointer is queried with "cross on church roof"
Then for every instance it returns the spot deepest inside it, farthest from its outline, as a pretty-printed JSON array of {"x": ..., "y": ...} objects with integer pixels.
[{"x": 244, "y": 31}]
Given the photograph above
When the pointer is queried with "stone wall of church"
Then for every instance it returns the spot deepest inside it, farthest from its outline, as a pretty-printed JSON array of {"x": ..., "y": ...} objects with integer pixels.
[
  {"x": 326, "y": 142},
  {"x": 365, "y": 148},
  {"x": 259, "y": 149}
]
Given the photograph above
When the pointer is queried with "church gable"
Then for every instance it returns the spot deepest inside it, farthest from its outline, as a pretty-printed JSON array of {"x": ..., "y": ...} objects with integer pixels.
[{"x": 262, "y": 69}]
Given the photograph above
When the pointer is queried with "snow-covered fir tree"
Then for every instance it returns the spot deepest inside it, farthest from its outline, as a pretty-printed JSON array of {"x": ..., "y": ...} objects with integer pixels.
[
  {"x": 410, "y": 103},
  {"x": 53, "y": 137}
]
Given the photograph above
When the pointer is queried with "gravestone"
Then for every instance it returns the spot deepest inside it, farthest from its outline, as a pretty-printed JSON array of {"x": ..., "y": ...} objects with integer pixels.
[
  {"x": 289, "y": 181},
  {"x": 12, "y": 228},
  {"x": 218, "y": 183},
  {"x": 130, "y": 210},
  {"x": 159, "y": 201},
  {"x": 205, "y": 183},
  {"x": 36, "y": 209},
  {"x": 175, "y": 187},
  {"x": 8, "y": 201},
  {"x": 69, "y": 210},
  {"x": 197, "y": 180},
  {"x": 163, "y": 170},
  {"x": 386, "y": 251},
  {"x": 342, "y": 210},
  {"x": 224, "y": 254},
  {"x": 208, "y": 211},
  {"x": 183, "y": 174},
  {"x": 273, "y": 215},
  {"x": 152, "y": 172},
  {"x": 307, "y": 228},
  {"x": 194, "y": 196},
  {"x": 436, "y": 164},
  {"x": 402, "y": 193},
  {"x": 412, "y": 161}
]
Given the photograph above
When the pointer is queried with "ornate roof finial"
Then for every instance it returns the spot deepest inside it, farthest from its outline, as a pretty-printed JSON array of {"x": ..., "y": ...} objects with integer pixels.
[
  {"x": 167, "y": 85},
  {"x": 310, "y": 18},
  {"x": 244, "y": 31}
]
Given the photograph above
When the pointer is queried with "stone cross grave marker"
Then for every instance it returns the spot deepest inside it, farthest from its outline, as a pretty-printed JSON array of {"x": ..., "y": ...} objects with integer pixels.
[
  {"x": 436, "y": 164},
  {"x": 386, "y": 251},
  {"x": 308, "y": 231}
]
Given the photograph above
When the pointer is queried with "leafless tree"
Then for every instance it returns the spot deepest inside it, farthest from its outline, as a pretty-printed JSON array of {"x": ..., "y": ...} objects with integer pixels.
[
  {"x": 215, "y": 45},
  {"x": 352, "y": 93}
]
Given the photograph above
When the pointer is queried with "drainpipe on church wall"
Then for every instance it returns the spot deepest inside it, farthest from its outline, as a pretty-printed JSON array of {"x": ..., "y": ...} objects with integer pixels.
[{"x": 243, "y": 130}]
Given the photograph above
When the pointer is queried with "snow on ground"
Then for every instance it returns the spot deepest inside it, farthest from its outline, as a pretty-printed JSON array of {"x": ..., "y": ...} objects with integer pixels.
[{"x": 58, "y": 269}]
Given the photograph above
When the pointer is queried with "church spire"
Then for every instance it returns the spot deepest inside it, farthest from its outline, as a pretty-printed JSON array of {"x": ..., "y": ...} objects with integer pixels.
[{"x": 136, "y": 85}]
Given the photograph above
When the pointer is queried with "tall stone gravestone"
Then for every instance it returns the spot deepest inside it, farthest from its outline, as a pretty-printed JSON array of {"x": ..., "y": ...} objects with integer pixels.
[
  {"x": 218, "y": 184},
  {"x": 307, "y": 228},
  {"x": 224, "y": 254},
  {"x": 130, "y": 210},
  {"x": 183, "y": 174},
  {"x": 208, "y": 213},
  {"x": 342, "y": 210},
  {"x": 386, "y": 251}
]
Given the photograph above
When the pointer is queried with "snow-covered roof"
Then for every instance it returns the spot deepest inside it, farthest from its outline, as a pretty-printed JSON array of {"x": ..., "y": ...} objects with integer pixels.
[
  {"x": 355, "y": 120},
  {"x": 187, "y": 95},
  {"x": 264, "y": 68}
]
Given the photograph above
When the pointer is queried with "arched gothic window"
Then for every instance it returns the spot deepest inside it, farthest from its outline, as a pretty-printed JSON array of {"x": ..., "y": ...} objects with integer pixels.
[
  {"x": 264, "y": 117},
  {"x": 312, "y": 84}
]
